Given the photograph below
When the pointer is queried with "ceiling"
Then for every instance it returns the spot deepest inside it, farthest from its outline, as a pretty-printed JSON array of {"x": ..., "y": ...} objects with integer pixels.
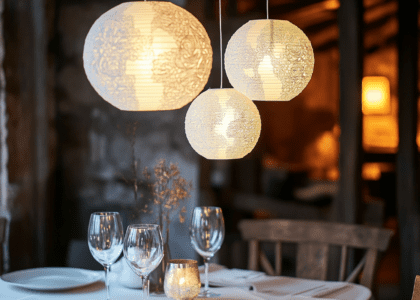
[{"x": 318, "y": 19}]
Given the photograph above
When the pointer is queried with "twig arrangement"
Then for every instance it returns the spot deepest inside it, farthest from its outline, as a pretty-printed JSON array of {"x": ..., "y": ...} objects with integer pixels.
[
  {"x": 163, "y": 191},
  {"x": 169, "y": 192}
]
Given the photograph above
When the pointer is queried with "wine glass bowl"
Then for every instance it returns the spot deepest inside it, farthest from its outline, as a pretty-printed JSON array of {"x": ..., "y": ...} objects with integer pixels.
[
  {"x": 207, "y": 233},
  {"x": 105, "y": 239},
  {"x": 143, "y": 250}
]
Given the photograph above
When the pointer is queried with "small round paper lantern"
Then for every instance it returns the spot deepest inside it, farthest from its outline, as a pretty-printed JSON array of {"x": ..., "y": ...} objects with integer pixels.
[
  {"x": 147, "y": 55},
  {"x": 222, "y": 124},
  {"x": 269, "y": 60}
]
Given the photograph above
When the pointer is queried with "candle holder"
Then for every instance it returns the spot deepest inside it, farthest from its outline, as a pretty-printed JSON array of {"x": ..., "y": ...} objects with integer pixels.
[{"x": 182, "y": 280}]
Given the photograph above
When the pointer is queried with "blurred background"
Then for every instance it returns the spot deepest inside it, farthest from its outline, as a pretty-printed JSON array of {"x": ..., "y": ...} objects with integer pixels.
[{"x": 71, "y": 153}]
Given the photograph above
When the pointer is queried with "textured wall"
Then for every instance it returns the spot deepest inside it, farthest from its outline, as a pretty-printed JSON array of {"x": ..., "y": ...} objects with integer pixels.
[{"x": 97, "y": 140}]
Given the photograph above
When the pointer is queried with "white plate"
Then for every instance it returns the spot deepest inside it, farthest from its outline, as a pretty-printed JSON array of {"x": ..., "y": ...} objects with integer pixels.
[{"x": 51, "y": 278}]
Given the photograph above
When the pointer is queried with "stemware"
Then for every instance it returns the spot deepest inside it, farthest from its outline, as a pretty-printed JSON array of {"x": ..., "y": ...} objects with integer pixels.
[
  {"x": 143, "y": 251},
  {"x": 207, "y": 232},
  {"x": 105, "y": 240}
]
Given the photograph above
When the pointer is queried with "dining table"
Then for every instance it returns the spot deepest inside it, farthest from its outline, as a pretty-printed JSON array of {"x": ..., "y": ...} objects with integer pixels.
[{"x": 224, "y": 284}]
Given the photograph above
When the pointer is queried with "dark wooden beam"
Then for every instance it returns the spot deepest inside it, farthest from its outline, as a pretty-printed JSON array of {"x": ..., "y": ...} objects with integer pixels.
[
  {"x": 407, "y": 165},
  {"x": 350, "y": 22},
  {"x": 40, "y": 129},
  {"x": 4, "y": 156},
  {"x": 289, "y": 7}
]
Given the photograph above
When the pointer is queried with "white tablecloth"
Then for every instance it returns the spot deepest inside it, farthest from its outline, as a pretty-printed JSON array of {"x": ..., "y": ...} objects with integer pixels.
[{"x": 97, "y": 291}]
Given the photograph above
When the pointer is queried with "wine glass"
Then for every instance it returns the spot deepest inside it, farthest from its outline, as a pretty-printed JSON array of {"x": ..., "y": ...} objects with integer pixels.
[
  {"x": 105, "y": 240},
  {"x": 143, "y": 251},
  {"x": 207, "y": 233}
]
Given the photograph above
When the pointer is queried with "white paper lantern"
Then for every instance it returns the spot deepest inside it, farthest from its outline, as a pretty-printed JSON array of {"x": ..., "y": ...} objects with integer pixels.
[
  {"x": 147, "y": 55},
  {"x": 222, "y": 124},
  {"x": 269, "y": 60}
]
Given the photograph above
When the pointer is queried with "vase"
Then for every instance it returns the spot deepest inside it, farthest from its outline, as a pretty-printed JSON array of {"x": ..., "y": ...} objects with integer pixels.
[{"x": 157, "y": 277}]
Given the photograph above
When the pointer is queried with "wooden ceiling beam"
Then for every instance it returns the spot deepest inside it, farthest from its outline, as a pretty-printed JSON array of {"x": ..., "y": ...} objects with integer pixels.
[
  {"x": 376, "y": 13},
  {"x": 290, "y": 7},
  {"x": 377, "y": 36}
]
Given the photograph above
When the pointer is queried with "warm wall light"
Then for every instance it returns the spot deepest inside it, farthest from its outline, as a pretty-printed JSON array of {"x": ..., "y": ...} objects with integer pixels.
[
  {"x": 376, "y": 95},
  {"x": 269, "y": 60},
  {"x": 147, "y": 55},
  {"x": 371, "y": 171},
  {"x": 222, "y": 124},
  {"x": 380, "y": 133}
]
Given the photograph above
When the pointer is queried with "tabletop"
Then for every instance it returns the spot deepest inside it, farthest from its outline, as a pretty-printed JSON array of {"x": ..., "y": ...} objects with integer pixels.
[{"x": 96, "y": 291}]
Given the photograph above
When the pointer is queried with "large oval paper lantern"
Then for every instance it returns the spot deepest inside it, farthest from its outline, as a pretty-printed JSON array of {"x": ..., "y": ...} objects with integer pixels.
[
  {"x": 269, "y": 60},
  {"x": 222, "y": 124},
  {"x": 147, "y": 55}
]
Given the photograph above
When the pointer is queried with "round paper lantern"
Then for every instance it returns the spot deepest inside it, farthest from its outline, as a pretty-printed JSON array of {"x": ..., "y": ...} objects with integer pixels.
[
  {"x": 269, "y": 60},
  {"x": 222, "y": 124},
  {"x": 147, "y": 55}
]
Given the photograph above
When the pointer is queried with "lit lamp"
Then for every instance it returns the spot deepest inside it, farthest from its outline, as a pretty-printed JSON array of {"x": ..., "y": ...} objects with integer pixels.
[
  {"x": 376, "y": 95},
  {"x": 222, "y": 124},
  {"x": 182, "y": 280},
  {"x": 269, "y": 60},
  {"x": 147, "y": 55},
  {"x": 380, "y": 125}
]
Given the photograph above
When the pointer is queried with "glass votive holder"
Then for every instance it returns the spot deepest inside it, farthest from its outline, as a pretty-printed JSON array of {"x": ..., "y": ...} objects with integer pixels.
[{"x": 182, "y": 280}]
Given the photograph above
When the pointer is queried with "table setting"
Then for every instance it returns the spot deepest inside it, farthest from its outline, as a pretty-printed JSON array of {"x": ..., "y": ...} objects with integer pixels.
[{"x": 142, "y": 249}]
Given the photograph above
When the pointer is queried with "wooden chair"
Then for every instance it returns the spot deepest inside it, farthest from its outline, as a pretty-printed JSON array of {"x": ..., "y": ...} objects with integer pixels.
[
  {"x": 416, "y": 291},
  {"x": 313, "y": 239}
]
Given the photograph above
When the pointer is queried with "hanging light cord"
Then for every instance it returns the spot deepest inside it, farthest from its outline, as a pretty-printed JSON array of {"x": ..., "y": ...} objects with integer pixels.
[
  {"x": 221, "y": 52},
  {"x": 267, "y": 9}
]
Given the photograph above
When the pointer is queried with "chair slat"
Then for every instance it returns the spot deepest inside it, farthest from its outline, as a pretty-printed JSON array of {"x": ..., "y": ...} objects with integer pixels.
[
  {"x": 265, "y": 263},
  {"x": 343, "y": 263},
  {"x": 416, "y": 291},
  {"x": 277, "y": 252},
  {"x": 2, "y": 229},
  {"x": 352, "y": 277},
  {"x": 253, "y": 255},
  {"x": 3, "y": 223},
  {"x": 312, "y": 261},
  {"x": 369, "y": 269}
]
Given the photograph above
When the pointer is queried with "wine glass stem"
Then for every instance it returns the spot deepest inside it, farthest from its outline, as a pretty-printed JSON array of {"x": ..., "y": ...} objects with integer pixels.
[
  {"x": 145, "y": 286},
  {"x": 206, "y": 277},
  {"x": 107, "y": 281}
]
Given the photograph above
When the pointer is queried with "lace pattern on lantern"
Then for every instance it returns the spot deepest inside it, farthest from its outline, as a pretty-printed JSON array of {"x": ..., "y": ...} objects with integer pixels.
[
  {"x": 190, "y": 63},
  {"x": 116, "y": 43},
  {"x": 294, "y": 69},
  {"x": 222, "y": 124},
  {"x": 291, "y": 59},
  {"x": 113, "y": 46}
]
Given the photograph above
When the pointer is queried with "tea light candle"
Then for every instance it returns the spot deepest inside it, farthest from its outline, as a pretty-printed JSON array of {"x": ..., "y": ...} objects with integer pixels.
[{"x": 182, "y": 280}]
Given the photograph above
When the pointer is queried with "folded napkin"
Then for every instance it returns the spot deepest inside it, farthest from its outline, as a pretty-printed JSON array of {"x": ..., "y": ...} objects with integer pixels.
[
  {"x": 240, "y": 293},
  {"x": 232, "y": 277},
  {"x": 270, "y": 287},
  {"x": 281, "y": 286},
  {"x": 232, "y": 293},
  {"x": 330, "y": 288}
]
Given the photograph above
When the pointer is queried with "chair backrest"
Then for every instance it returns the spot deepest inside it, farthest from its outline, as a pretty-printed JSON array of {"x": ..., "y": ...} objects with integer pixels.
[
  {"x": 3, "y": 224},
  {"x": 416, "y": 291},
  {"x": 313, "y": 239}
]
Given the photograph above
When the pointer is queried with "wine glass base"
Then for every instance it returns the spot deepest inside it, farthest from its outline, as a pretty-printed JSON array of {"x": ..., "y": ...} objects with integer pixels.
[{"x": 207, "y": 294}]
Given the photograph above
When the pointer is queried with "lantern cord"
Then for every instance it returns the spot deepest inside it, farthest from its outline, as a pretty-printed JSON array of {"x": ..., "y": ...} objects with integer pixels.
[
  {"x": 221, "y": 52},
  {"x": 267, "y": 9}
]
